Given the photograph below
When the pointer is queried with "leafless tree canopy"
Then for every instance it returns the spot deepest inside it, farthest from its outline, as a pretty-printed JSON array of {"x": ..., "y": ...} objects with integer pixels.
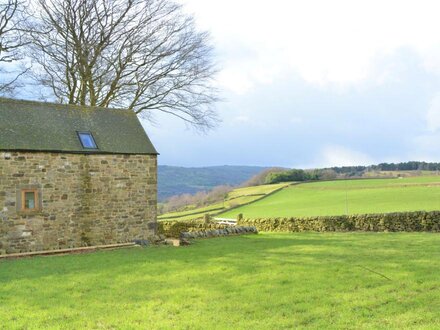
[
  {"x": 144, "y": 55},
  {"x": 10, "y": 41}
]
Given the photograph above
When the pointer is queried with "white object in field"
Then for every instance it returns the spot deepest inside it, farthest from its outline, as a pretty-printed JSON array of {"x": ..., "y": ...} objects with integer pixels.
[{"x": 226, "y": 221}]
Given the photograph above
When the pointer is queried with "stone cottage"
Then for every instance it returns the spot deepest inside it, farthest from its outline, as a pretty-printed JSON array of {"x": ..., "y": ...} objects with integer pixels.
[{"x": 73, "y": 176}]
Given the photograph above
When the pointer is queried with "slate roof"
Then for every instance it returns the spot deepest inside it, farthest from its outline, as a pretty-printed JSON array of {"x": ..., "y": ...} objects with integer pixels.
[{"x": 38, "y": 126}]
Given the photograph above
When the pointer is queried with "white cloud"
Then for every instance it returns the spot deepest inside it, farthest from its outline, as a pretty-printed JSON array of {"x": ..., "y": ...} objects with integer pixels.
[
  {"x": 325, "y": 42},
  {"x": 296, "y": 120},
  {"x": 317, "y": 83},
  {"x": 341, "y": 156},
  {"x": 426, "y": 146},
  {"x": 433, "y": 114},
  {"x": 242, "y": 119},
  {"x": 235, "y": 81}
]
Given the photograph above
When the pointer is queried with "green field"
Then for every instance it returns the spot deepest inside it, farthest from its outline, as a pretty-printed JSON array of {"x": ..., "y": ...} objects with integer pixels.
[
  {"x": 236, "y": 197},
  {"x": 265, "y": 281},
  {"x": 354, "y": 196}
]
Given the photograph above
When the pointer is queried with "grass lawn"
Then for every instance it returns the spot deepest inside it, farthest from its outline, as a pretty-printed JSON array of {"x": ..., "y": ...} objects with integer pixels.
[
  {"x": 265, "y": 281},
  {"x": 362, "y": 196}
]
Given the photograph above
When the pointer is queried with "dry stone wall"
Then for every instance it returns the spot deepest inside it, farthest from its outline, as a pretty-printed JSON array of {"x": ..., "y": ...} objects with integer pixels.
[
  {"x": 86, "y": 200},
  {"x": 417, "y": 221}
]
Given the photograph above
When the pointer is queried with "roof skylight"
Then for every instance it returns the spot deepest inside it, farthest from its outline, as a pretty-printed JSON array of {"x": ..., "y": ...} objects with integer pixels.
[{"x": 87, "y": 140}]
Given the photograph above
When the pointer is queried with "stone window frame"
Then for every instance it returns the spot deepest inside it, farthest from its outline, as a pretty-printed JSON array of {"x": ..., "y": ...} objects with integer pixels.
[{"x": 21, "y": 191}]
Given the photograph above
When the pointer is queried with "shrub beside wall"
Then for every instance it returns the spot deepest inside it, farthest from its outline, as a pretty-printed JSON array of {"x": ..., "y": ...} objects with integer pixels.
[
  {"x": 174, "y": 228},
  {"x": 402, "y": 221}
]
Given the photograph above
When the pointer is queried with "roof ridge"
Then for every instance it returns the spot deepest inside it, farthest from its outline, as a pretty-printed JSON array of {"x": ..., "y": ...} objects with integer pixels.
[{"x": 74, "y": 106}]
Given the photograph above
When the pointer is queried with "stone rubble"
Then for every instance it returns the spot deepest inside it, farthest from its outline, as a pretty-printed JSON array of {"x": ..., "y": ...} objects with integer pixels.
[{"x": 232, "y": 230}]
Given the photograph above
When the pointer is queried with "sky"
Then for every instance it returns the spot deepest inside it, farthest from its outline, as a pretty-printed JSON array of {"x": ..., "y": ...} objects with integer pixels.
[{"x": 316, "y": 83}]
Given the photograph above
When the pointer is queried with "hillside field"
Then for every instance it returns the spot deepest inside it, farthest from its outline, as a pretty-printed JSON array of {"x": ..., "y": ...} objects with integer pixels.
[
  {"x": 236, "y": 197},
  {"x": 265, "y": 281},
  {"x": 347, "y": 196}
]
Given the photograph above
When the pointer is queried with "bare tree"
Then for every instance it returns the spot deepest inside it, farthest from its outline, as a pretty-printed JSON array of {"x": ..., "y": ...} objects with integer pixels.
[
  {"x": 199, "y": 199},
  {"x": 11, "y": 39},
  {"x": 144, "y": 55}
]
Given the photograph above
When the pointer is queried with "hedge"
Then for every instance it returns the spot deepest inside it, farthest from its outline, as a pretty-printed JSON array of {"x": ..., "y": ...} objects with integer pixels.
[
  {"x": 174, "y": 228},
  {"x": 402, "y": 221}
]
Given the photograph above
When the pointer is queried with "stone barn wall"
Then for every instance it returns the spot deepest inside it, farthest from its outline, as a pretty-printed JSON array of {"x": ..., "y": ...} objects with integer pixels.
[{"x": 86, "y": 199}]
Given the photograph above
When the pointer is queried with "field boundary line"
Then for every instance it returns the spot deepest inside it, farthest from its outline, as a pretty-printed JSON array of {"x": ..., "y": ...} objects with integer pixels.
[
  {"x": 256, "y": 200},
  {"x": 249, "y": 195}
]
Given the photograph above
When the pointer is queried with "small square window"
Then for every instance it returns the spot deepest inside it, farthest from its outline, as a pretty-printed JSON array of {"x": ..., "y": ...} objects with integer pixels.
[
  {"x": 87, "y": 140},
  {"x": 29, "y": 200}
]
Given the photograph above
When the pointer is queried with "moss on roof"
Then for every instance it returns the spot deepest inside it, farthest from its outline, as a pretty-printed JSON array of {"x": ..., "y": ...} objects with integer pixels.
[{"x": 39, "y": 126}]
